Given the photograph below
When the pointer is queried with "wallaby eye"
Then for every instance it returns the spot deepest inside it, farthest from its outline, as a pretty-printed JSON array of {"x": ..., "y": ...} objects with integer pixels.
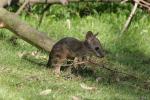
[{"x": 97, "y": 48}]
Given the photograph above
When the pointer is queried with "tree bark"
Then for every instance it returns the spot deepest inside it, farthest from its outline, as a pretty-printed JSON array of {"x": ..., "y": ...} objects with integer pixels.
[
  {"x": 58, "y": 1},
  {"x": 4, "y": 3},
  {"x": 25, "y": 31}
]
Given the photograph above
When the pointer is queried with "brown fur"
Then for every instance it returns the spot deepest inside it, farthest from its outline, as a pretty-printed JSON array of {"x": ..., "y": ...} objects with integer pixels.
[{"x": 70, "y": 47}]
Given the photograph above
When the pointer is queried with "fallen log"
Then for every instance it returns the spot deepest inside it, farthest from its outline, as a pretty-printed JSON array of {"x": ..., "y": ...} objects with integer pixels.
[{"x": 25, "y": 31}]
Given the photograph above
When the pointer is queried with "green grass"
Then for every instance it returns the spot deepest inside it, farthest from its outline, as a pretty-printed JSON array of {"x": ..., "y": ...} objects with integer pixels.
[{"x": 25, "y": 78}]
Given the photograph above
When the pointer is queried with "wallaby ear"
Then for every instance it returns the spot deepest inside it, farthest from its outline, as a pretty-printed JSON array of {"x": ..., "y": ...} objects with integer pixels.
[
  {"x": 96, "y": 34},
  {"x": 89, "y": 34}
]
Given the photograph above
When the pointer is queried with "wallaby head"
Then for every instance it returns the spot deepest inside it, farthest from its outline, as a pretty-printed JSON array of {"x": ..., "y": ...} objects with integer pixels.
[{"x": 94, "y": 44}]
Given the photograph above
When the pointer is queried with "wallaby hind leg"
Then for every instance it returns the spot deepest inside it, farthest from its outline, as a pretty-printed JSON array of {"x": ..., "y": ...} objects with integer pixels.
[
  {"x": 49, "y": 64},
  {"x": 57, "y": 69},
  {"x": 57, "y": 66}
]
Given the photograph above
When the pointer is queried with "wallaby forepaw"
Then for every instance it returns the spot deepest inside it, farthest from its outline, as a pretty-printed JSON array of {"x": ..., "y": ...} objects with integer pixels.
[{"x": 57, "y": 73}]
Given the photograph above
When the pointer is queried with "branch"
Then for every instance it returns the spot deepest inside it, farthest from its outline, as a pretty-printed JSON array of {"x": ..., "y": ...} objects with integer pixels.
[
  {"x": 4, "y": 3},
  {"x": 144, "y": 2},
  {"x": 114, "y": 70},
  {"x": 58, "y": 1},
  {"x": 130, "y": 17},
  {"x": 8, "y": 2},
  {"x": 124, "y": 1},
  {"x": 143, "y": 5}
]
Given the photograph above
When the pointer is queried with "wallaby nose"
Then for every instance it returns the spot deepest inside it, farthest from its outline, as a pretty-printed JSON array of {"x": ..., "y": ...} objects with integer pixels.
[
  {"x": 102, "y": 56},
  {"x": 99, "y": 54}
]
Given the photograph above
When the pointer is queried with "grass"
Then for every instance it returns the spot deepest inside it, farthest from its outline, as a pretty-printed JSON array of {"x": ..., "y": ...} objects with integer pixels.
[{"x": 24, "y": 78}]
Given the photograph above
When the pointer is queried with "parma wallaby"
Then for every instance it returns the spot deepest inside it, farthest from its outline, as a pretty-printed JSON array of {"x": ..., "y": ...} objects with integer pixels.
[{"x": 70, "y": 48}]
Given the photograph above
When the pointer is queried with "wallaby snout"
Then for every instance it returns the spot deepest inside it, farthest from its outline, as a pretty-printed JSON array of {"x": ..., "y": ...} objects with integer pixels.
[{"x": 99, "y": 53}]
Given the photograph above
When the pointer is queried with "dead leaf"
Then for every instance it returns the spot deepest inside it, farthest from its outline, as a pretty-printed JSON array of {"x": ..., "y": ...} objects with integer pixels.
[
  {"x": 84, "y": 86},
  {"x": 46, "y": 92},
  {"x": 23, "y": 54},
  {"x": 68, "y": 23},
  {"x": 99, "y": 79},
  {"x": 34, "y": 53},
  {"x": 75, "y": 98},
  {"x": 32, "y": 78},
  {"x": 44, "y": 57}
]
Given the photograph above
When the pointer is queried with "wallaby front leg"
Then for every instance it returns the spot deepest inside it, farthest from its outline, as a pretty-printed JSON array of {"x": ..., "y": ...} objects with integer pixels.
[
  {"x": 75, "y": 61},
  {"x": 57, "y": 69}
]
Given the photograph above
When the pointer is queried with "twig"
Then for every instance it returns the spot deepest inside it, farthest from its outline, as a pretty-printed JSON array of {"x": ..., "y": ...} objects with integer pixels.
[
  {"x": 76, "y": 63},
  {"x": 113, "y": 70},
  {"x": 2, "y": 25},
  {"x": 104, "y": 67},
  {"x": 130, "y": 17},
  {"x": 22, "y": 7},
  {"x": 94, "y": 63},
  {"x": 127, "y": 74},
  {"x": 144, "y": 2},
  {"x": 42, "y": 14},
  {"x": 124, "y": 1},
  {"x": 146, "y": 6}
]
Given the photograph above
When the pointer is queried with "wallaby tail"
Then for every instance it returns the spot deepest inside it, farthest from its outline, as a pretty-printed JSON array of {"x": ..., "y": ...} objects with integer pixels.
[{"x": 49, "y": 64}]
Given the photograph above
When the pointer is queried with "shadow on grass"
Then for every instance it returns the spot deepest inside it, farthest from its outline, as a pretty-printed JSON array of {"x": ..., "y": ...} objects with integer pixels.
[
  {"x": 80, "y": 71},
  {"x": 35, "y": 61},
  {"x": 135, "y": 64}
]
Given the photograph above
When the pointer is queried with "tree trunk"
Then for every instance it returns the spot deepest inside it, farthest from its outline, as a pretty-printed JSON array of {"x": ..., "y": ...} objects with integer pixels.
[{"x": 25, "y": 31}]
